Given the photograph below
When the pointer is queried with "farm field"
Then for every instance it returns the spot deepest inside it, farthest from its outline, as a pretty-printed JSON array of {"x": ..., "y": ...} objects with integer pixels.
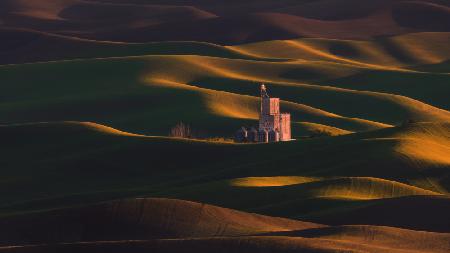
[{"x": 90, "y": 90}]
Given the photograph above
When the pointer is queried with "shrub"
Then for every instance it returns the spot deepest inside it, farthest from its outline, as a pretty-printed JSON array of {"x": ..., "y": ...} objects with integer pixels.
[{"x": 319, "y": 133}]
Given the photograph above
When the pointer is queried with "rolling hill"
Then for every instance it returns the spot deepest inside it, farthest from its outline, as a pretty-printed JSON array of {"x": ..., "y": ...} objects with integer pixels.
[
  {"x": 90, "y": 90},
  {"x": 150, "y": 222},
  {"x": 111, "y": 164},
  {"x": 134, "y": 219},
  {"x": 250, "y": 21}
]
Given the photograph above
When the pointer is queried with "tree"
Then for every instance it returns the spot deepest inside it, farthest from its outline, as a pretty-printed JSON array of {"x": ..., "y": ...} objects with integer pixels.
[{"x": 181, "y": 130}]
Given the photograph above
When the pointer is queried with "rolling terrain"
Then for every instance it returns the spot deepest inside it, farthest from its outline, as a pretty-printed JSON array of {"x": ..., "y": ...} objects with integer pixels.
[
  {"x": 112, "y": 164},
  {"x": 90, "y": 90},
  {"x": 151, "y": 221},
  {"x": 248, "y": 21}
]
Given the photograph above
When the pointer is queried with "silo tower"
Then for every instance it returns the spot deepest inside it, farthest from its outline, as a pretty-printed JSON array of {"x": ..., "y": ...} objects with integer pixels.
[
  {"x": 274, "y": 126},
  {"x": 270, "y": 118}
]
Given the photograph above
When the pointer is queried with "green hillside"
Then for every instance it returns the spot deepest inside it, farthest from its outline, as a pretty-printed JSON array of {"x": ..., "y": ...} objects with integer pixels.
[
  {"x": 53, "y": 159},
  {"x": 50, "y": 165},
  {"x": 148, "y": 95}
]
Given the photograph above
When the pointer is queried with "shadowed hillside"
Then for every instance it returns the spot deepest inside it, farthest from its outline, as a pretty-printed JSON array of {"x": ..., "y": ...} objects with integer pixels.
[
  {"x": 225, "y": 23},
  {"x": 139, "y": 219},
  {"x": 25, "y": 46},
  {"x": 152, "y": 220}
]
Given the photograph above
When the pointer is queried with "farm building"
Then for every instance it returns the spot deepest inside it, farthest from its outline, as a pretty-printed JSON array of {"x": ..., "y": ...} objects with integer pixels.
[{"x": 274, "y": 126}]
